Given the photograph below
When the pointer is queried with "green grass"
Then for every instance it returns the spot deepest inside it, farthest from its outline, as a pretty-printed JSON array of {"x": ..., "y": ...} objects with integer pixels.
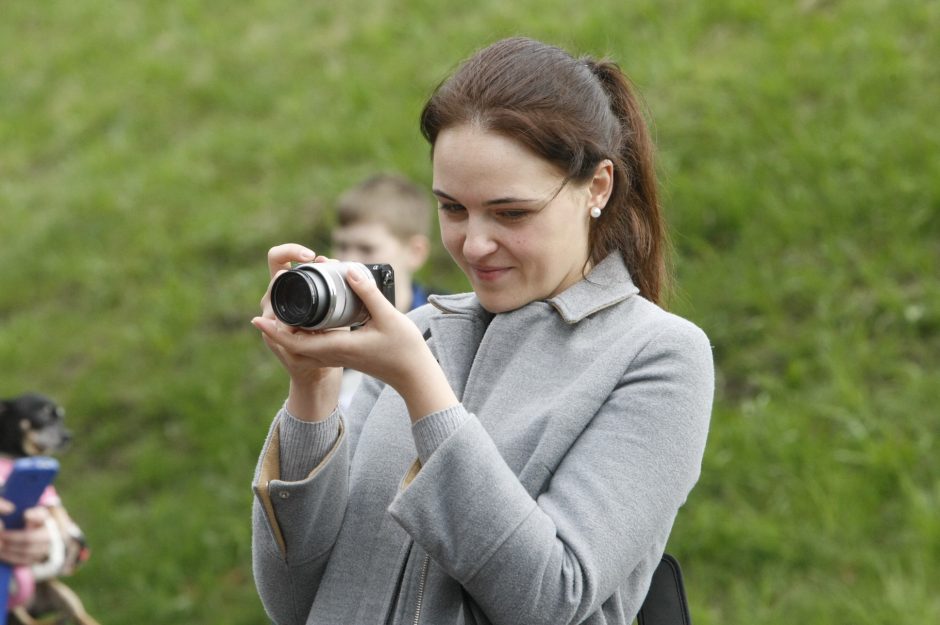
[{"x": 151, "y": 152}]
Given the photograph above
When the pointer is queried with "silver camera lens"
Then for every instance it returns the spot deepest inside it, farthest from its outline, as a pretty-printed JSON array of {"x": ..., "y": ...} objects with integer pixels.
[{"x": 315, "y": 296}]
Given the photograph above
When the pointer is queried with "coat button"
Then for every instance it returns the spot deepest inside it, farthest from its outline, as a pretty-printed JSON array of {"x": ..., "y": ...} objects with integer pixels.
[{"x": 283, "y": 494}]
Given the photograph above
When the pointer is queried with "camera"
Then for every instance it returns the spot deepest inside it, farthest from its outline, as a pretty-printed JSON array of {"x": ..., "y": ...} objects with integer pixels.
[{"x": 316, "y": 296}]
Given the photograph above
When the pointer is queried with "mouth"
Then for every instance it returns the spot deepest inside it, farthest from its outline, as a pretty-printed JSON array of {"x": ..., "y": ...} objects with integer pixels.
[{"x": 488, "y": 274}]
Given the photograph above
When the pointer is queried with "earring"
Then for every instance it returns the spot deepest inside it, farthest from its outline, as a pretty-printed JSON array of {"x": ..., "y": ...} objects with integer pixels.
[{"x": 596, "y": 212}]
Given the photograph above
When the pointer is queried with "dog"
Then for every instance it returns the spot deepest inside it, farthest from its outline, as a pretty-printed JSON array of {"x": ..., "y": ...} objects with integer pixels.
[{"x": 34, "y": 425}]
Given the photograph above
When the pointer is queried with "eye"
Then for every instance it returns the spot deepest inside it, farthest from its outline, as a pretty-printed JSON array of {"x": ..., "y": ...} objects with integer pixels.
[
  {"x": 514, "y": 214},
  {"x": 452, "y": 209}
]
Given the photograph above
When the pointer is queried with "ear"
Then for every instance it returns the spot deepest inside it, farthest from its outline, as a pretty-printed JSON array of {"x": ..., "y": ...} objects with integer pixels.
[
  {"x": 602, "y": 184},
  {"x": 418, "y": 247}
]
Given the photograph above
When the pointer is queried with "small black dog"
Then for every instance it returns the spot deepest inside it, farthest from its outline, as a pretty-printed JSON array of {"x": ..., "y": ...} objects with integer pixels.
[{"x": 32, "y": 425}]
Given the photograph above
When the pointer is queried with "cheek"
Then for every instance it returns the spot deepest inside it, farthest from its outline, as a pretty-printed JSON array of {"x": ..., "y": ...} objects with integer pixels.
[
  {"x": 523, "y": 247},
  {"x": 452, "y": 239}
]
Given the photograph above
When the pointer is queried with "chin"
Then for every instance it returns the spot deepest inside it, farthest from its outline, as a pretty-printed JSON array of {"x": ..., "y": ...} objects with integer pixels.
[{"x": 498, "y": 305}]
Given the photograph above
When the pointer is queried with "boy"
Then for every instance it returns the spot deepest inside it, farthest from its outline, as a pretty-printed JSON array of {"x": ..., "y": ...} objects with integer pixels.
[{"x": 384, "y": 219}]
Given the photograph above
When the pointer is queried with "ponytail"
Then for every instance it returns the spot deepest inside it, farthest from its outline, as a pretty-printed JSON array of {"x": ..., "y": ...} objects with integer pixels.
[{"x": 632, "y": 222}]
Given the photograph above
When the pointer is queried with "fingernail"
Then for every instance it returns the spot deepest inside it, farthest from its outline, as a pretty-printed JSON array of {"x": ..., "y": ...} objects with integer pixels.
[
  {"x": 362, "y": 273},
  {"x": 308, "y": 255}
]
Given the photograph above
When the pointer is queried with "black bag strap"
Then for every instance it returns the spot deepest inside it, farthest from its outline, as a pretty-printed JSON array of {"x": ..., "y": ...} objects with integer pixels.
[{"x": 665, "y": 603}]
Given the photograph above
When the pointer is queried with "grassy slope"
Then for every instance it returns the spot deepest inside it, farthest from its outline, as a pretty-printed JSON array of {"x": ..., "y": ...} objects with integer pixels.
[{"x": 151, "y": 152}]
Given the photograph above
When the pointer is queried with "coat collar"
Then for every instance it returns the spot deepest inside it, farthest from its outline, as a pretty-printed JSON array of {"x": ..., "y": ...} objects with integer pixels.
[{"x": 608, "y": 283}]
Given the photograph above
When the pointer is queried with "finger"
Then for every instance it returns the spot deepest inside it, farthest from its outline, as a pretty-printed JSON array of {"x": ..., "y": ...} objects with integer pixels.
[
  {"x": 319, "y": 348},
  {"x": 281, "y": 339},
  {"x": 26, "y": 542},
  {"x": 36, "y": 517},
  {"x": 272, "y": 328},
  {"x": 280, "y": 256},
  {"x": 14, "y": 557},
  {"x": 368, "y": 292},
  {"x": 25, "y": 553},
  {"x": 6, "y": 507}
]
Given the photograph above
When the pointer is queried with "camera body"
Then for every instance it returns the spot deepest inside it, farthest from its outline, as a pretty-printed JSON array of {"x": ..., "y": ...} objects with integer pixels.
[{"x": 316, "y": 296}]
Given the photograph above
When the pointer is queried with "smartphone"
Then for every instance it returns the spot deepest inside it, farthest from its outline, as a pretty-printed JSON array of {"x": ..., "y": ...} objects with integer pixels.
[{"x": 25, "y": 485}]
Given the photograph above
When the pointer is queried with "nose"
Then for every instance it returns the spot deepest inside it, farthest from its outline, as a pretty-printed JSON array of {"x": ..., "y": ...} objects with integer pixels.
[{"x": 479, "y": 241}]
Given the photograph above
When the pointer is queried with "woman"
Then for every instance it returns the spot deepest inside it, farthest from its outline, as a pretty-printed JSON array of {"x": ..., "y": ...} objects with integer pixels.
[{"x": 518, "y": 453}]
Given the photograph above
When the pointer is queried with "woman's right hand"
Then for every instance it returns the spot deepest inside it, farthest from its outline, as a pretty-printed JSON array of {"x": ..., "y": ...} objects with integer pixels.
[{"x": 314, "y": 388}]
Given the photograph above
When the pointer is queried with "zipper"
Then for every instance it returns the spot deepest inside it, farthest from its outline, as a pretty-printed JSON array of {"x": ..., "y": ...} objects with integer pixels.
[{"x": 422, "y": 581}]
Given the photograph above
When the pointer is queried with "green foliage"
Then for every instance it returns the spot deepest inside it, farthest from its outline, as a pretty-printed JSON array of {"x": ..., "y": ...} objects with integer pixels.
[{"x": 151, "y": 152}]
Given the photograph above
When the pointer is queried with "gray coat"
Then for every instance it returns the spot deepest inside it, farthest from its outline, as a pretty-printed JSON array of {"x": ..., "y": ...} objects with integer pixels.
[{"x": 546, "y": 496}]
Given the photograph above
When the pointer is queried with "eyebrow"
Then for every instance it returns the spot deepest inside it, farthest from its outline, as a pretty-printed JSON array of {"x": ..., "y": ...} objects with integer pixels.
[{"x": 495, "y": 202}]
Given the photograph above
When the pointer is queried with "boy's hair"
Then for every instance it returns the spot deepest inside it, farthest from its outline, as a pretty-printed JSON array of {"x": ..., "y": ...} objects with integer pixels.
[{"x": 389, "y": 199}]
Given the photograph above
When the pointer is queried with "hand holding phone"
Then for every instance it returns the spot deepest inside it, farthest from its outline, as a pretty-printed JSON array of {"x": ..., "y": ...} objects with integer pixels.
[{"x": 23, "y": 488}]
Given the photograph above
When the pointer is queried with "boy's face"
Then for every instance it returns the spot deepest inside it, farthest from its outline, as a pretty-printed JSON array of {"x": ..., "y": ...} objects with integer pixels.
[{"x": 371, "y": 242}]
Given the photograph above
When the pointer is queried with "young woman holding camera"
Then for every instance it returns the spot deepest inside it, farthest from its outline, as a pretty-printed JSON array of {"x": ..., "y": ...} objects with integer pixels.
[{"x": 517, "y": 454}]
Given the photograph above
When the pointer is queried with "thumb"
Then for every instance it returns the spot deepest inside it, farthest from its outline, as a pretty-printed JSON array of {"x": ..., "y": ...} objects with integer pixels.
[{"x": 37, "y": 516}]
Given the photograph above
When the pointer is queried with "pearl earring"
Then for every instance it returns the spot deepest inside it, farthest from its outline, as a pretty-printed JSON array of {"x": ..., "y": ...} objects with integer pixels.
[{"x": 596, "y": 212}]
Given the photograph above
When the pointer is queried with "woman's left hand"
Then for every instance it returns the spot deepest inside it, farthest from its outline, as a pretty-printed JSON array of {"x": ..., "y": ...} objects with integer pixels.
[{"x": 30, "y": 545}]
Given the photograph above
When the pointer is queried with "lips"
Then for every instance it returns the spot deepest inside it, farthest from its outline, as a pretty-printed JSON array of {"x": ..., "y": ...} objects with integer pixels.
[{"x": 488, "y": 274}]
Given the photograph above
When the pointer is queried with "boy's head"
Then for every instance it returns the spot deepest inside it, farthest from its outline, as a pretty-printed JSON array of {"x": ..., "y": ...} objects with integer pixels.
[{"x": 385, "y": 219}]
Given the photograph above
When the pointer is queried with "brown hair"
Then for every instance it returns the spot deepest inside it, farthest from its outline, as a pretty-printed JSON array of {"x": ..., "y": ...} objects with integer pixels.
[
  {"x": 574, "y": 113},
  {"x": 391, "y": 200}
]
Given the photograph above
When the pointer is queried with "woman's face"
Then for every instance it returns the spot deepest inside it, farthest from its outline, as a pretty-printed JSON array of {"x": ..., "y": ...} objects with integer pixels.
[{"x": 516, "y": 232}]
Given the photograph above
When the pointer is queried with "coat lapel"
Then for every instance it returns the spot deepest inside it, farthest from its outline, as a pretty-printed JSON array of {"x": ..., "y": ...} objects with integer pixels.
[{"x": 456, "y": 332}]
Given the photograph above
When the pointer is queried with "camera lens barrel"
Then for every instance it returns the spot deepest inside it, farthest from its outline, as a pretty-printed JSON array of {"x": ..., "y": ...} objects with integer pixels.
[
  {"x": 297, "y": 298},
  {"x": 316, "y": 296}
]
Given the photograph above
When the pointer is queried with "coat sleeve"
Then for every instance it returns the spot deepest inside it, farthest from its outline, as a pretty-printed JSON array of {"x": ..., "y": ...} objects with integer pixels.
[
  {"x": 292, "y": 530},
  {"x": 609, "y": 505},
  {"x": 301, "y": 488}
]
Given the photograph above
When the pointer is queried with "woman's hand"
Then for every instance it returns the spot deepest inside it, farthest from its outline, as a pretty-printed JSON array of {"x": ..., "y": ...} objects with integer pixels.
[
  {"x": 29, "y": 545},
  {"x": 394, "y": 351},
  {"x": 314, "y": 387},
  {"x": 388, "y": 347}
]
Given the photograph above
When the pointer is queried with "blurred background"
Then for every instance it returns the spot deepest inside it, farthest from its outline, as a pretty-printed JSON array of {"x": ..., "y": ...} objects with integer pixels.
[{"x": 151, "y": 153}]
